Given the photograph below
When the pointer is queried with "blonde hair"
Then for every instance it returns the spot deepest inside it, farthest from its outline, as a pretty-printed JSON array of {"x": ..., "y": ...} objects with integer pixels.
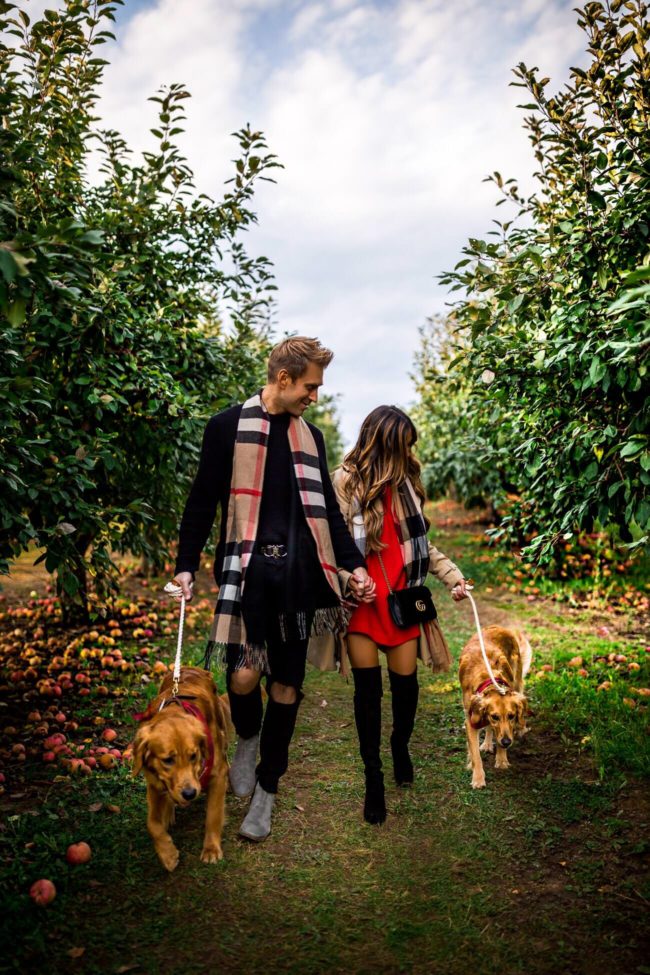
[
  {"x": 382, "y": 456},
  {"x": 295, "y": 354}
]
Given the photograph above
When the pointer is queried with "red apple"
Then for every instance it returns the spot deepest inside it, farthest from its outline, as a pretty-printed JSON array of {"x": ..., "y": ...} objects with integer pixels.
[
  {"x": 109, "y": 734},
  {"x": 78, "y": 853},
  {"x": 42, "y": 892}
]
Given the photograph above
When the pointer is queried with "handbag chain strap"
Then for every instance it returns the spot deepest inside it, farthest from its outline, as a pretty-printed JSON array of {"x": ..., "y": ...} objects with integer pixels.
[{"x": 381, "y": 563}]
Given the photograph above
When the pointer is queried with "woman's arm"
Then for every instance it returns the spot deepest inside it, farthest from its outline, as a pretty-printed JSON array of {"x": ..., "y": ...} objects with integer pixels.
[{"x": 444, "y": 569}]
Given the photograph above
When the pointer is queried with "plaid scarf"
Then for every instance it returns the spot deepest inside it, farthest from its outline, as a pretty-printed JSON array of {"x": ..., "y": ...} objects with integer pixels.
[
  {"x": 411, "y": 531},
  {"x": 249, "y": 460}
]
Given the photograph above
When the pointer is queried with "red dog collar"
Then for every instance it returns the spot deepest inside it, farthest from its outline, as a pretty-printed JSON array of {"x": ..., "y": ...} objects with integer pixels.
[{"x": 486, "y": 684}]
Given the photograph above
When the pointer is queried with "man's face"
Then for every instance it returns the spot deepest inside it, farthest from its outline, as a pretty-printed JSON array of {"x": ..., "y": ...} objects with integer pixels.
[{"x": 296, "y": 396}]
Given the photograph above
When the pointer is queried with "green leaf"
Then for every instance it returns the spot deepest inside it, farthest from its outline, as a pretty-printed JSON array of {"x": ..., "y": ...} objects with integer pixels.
[
  {"x": 16, "y": 312},
  {"x": 632, "y": 447},
  {"x": 597, "y": 370}
]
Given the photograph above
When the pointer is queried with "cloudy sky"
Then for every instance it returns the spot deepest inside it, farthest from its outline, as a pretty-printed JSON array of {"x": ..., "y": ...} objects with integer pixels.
[{"x": 386, "y": 114}]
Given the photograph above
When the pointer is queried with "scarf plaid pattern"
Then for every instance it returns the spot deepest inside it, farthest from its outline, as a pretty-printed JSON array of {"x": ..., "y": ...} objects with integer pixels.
[
  {"x": 411, "y": 531},
  {"x": 249, "y": 461}
]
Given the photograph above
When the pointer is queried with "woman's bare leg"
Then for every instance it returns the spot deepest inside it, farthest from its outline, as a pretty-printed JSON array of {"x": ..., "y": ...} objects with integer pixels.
[{"x": 362, "y": 651}]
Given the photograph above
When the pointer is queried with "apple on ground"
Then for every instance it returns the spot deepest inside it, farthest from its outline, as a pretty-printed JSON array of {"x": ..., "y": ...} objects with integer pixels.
[
  {"x": 78, "y": 853},
  {"x": 42, "y": 892}
]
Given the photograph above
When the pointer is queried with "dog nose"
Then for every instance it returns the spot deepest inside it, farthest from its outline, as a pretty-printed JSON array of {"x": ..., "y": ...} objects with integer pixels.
[
  {"x": 505, "y": 742},
  {"x": 188, "y": 793}
]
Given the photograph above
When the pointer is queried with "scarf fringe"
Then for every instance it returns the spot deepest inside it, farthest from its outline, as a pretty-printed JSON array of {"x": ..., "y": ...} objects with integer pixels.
[
  {"x": 332, "y": 618},
  {"x": 250, "y": 656}
]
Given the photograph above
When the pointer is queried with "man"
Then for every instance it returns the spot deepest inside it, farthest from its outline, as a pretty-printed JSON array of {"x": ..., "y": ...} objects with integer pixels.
[{"x": 283, "y": 561}]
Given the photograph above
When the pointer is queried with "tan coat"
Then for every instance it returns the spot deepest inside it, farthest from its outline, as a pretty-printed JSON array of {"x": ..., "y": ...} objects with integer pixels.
[{"x": 327, "y": 650}]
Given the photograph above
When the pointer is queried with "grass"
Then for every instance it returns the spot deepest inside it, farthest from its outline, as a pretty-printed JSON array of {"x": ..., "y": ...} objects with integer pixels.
[{"x": 543, "y": 871}]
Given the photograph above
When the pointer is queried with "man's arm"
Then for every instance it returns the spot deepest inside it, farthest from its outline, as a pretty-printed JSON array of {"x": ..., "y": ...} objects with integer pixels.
[
  {"x": 201, "y": 506},
  {"x": 347, "y": 554}
]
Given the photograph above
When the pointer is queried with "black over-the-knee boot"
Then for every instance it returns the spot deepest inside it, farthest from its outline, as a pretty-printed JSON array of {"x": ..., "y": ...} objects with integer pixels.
[
  {"x": 404, "y": 694},
  {"x": 367, "y": 714}
]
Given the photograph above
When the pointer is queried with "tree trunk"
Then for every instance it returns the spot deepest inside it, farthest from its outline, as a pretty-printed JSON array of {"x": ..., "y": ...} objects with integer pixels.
[{"x": 74, "y": 606}]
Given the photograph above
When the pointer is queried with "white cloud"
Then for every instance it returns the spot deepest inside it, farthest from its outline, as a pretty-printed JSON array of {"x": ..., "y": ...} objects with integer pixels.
[{"x": 386, "y": 115}]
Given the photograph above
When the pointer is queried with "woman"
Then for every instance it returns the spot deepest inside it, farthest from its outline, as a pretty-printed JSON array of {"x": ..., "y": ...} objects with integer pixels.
[{"x": 380, "y": 492}]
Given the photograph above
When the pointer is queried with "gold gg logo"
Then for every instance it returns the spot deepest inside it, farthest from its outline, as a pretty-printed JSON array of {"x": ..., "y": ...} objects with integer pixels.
[{"x": 420, "y": 605}]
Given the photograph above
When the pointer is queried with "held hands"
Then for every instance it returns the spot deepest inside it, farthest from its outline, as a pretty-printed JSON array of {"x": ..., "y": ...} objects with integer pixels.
[
  {"x": 460, "y": 591},
  {"x": 186, "y": 582},
  {"x": 362, "y": 586}
]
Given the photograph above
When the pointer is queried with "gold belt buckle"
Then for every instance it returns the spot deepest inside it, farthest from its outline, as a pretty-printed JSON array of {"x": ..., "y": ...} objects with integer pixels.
[{"x": 274, "y": 551}]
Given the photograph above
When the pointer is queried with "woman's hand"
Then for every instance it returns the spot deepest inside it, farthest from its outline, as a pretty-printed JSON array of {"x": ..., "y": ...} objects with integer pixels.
[
  {"x": 362, "y": 586},
  {"x": 459, "y": 591}
]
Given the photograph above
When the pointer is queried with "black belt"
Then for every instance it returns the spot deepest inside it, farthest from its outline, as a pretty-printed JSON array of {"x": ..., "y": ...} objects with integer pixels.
[{"x": 273, "y": 551}]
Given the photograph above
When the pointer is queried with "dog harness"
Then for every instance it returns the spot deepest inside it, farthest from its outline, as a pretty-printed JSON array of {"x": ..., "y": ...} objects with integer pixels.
[
  {"x": 192, "y": 709},
  {"x": 479, "y": 690}
]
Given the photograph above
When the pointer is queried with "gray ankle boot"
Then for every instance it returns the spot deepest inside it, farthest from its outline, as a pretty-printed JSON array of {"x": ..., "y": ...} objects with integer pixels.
[
  {"x": 257, "y": 824},
  {"x": 242, "y": 770}
]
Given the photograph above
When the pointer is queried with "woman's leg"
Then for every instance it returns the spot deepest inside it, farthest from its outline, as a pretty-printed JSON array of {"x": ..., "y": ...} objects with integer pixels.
[
  {"x": 366, "y": 672},
  {"x": 403, "y": 675}
]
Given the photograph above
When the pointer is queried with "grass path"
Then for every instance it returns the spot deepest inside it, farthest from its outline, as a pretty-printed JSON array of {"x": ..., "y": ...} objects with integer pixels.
[{"x": 544, "y": 871}]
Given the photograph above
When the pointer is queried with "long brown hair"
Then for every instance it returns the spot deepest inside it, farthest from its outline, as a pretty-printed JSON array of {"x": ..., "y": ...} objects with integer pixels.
[{"x": 382, "y": 456}]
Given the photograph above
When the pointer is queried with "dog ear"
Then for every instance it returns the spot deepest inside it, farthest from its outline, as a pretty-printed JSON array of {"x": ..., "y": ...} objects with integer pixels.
[
  {"x": 140, "y": 748},
  {"x": 202, "y": 742},
  {"x": 476, "y": 708},
  {"x": 521, "y": 707}
]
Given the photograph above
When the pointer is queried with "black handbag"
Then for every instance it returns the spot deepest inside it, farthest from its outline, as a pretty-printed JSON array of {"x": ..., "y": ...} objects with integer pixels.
[{"x": 410, "y": 606}]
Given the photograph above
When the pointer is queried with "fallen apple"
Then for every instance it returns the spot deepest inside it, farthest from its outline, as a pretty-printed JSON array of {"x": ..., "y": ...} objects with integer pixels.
[
  {"x": 42, "y": 892},
  {"x": 78, "y": 853}
]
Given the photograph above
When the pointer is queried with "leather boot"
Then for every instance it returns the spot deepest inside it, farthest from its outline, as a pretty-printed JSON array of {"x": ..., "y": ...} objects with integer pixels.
[
  {"x": 242, "y": 769},
  {"x": 404, "y": 694},
  {"x": 367, "y": 715},
  {"x": 257, "y": 824}
]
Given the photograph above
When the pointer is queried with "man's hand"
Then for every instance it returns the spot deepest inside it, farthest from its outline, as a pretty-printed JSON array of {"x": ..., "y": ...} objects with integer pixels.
[
  {"x": 186, "y": 582},
  {"x": 362, "y": 586},
  {"x": 459, "y": 591}
]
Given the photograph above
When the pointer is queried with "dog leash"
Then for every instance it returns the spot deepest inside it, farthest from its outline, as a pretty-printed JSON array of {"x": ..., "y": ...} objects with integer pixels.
[
  {"x": 499, "y": 687},
  {"x": 173, "y": 590}
]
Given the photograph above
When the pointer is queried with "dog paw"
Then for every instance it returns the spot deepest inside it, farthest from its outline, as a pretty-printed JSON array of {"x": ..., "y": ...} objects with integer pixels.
[
  {"x": 211, "y": 854},
  {"x": 502, "y": 763},
  {"x": 169, "y": 858},
  {"x": 485, "y": 747},
  {"x": 478, "y": 782}
]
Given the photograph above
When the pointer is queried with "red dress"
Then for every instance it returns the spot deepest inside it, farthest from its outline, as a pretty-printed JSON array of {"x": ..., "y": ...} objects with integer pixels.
[{"x": 374, "y": 619}]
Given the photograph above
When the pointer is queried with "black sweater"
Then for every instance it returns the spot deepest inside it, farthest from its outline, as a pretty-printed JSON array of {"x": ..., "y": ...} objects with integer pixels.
[{"x": 211, "y": 487}]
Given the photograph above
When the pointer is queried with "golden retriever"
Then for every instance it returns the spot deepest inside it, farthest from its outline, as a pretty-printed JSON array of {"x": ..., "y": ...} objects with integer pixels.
[
  {"x": 502, "y": 715},
  {"x": 181, "y": 747}
]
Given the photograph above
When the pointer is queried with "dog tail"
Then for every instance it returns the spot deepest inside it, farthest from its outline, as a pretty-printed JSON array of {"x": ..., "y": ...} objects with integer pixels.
[{"x": 525, "y": 650}]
